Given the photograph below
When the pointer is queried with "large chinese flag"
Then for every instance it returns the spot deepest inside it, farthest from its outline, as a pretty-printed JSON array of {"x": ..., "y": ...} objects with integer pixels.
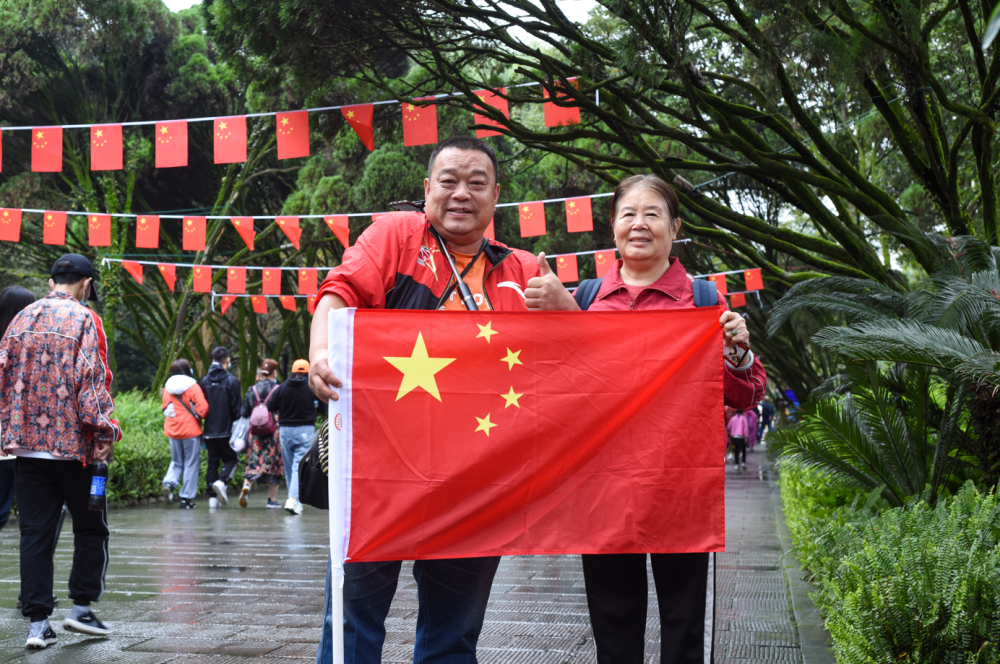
[
  {"x": 561, "y": 115},
  {"x": 171, "y": 144},
  {"x": 486, "y": 434},
  {"x": 420, "y": 123},
  {"x": 361, "y": 118},
  {"x": 54, "y": 228},
  {"x": 99, "y": 230},
  {"x": 194, "y": 234},
  {"x": 579, "y": 215},
  {"x": 498, "y": 102},
  {"x": 46, "y": 149},
  {"x": 532, "y": 218},
  {"x": 230, "y": 139},
  {"x": 293, "y": 134},
  {"x": 10, "y": 224},
  {"x": 147, "y": 231},
  {"x": 106, "y": 147}
]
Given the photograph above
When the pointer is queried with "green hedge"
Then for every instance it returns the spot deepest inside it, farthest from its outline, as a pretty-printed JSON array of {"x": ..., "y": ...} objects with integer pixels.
[
  {"x": 911, "y": 584},
  {"x": 143, "y": 454}
]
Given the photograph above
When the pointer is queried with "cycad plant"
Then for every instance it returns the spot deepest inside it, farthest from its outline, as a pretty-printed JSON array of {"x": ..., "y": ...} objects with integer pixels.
[{"x": 919, "y": 364}]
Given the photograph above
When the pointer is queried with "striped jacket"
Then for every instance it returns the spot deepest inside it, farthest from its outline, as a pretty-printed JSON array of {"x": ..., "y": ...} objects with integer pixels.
[{"x": 55, "y": 381}]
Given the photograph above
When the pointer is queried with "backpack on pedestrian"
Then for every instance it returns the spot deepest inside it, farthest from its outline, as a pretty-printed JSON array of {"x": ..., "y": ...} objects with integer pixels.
[{"x": 261, "y": 419}]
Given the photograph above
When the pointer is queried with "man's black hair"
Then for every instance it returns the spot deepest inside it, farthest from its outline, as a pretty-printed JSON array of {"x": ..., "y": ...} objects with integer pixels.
[
  {"x": 466, "y": 143},
  {"x": 66, "y": 278},
  {"x": 220, "y": 354}
]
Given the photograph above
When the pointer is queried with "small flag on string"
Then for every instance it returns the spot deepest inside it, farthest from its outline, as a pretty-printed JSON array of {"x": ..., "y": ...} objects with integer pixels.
[
  {"x": 338, "y": 223},
  {"x": 738, "y": 300},
  {"x": 54, "y": 228},
  {"x": 290, "y": 225},
  {"x": 360, "y": 117},
  {"x": 288, "y": 302},
  {"x": 202, "y": 281},
  {"x": 169, "y": 272},
  {"x": 236, "y": 280},
  {"x": 194, "y": 234},
  {"x": 753, "y": 280},
  {"x": 566, "y": 268},
  {"x": 720, "y": 283},
  {"x": 307, "y": 282},
  {"x": 244, "y": 226},
  {"x": 490, "y": 231},
  {"x": 420, "y": 123},
  {"x": 311, "y": 304},
  {"x": 271, "y": 282},
  {"x": 230, "y": 139},
  {"x": 259, "y": 303},
  {"x": 106, "y": 147},
  {"x": 293, "y": 135},
  {"x": 147, "y": 231},
  {"x": 46, "y": 149},
  {"x": 532, "y": 217},
  {"x": 603, "y": 260},
  {"x": 579, "y": 215},
  {"x": 491, "y": 98},
  {"x": 561, "y": 115},
  {"x": 10, "y": 225},
  {"x": 171, "y": 144},
  {"x": 227, "y": 301},
  {"x": 99, "y": 230},
  {"x": 135, "y": 269}
]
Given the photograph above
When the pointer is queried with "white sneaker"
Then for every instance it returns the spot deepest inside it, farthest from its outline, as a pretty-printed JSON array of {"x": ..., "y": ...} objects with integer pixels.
[
  {"x": 298, "y": 508},
  {"x": 220, "y": 492},
  {"x": 213, "y": 503},
  {"x": 40, "y": 635},
  {"x": 290, "y": 505}
]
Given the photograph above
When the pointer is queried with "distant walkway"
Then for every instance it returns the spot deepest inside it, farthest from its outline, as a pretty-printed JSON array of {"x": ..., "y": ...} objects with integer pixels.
[{"x": 238, "y": 585}]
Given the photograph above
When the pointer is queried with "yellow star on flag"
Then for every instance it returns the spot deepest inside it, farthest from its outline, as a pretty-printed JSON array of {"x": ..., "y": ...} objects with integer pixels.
[
  {"x": 512, "y": 398},
  {"x": 512, "y": 359},
  {"x": 284, "y": 121},
  {"x": 484, "y": 424},
  {"x": 486, "y": 331},
  {"x": 99, "y": 133},
  {"x": 163, "y": 130},
  {"x": 572, "y": 204},
  {"x": 419, "y": 369},
  {"x": 222, "y": 125},
  {"x": 6, "y": 213},
  {"x": 525, "y": 208},
  {"x": 50, "y": 217},
  {"x": 350, "y": 114},
  {"x": 411, "y": 107},
  {"x": 39, "y": 135}
]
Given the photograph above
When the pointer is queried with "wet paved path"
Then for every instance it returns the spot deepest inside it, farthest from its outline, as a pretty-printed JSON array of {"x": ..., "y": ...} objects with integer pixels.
[{"x": 240, "y": 585}]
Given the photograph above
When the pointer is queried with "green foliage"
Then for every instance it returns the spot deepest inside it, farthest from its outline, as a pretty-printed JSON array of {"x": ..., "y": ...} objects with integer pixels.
[{"x": 909, "y": 584}]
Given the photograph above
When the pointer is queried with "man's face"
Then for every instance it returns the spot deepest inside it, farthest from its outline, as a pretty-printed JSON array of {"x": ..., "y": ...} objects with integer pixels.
[
  {"x": 225, "y": 363},
  {"x": 461, "y": 195}
]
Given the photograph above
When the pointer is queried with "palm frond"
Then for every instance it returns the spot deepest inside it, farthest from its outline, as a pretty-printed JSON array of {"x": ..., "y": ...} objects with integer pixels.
[
  {"x": 901, "y": 341},
  {"x": 836, "y": 295}
]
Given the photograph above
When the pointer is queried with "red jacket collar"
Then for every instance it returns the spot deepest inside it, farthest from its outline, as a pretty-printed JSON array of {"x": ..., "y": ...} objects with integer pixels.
[{"x": 673, "y": 282}]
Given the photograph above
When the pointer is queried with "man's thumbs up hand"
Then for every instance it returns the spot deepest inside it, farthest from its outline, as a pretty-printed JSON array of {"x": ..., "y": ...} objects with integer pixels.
[{"x": 546, "y": 292}]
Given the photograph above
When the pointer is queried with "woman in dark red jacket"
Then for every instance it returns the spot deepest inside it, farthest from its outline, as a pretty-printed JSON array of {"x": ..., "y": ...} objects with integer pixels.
[{"x": 645, "y": 220}]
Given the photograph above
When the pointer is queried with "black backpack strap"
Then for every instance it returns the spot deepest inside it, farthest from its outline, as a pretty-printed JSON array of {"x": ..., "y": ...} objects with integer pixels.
[
  {"x": 705, "y": 293},
  {"x": 586, "y": 292}
]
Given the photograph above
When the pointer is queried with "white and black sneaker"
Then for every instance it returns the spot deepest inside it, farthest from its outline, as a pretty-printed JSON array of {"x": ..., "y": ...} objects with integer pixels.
[
  {"x": 220, "y": 492},
  {"x": 40, "y": 636},
  {"x": 83, "y": 621}
]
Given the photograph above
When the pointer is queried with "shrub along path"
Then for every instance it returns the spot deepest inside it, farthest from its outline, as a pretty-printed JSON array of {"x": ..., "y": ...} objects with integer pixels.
[{"x": 237, "y": 585}]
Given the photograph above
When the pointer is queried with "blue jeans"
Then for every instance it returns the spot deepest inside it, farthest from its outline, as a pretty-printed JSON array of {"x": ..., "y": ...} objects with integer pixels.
[
  {"x": 294, "y": 445},
  {"x": 451, "y": 601}
]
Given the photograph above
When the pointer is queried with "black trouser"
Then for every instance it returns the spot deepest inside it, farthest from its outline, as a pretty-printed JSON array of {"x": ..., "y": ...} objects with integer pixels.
[
  {"x": 43, "y": 485},
  {"x": 739, "y": 447},
  {"x": 618, "y": 594},
  {"x": 219, "y": 451}
]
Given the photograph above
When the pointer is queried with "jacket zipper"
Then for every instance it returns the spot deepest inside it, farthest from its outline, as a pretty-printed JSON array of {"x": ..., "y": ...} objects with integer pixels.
[{"x": 485, "y": 292}]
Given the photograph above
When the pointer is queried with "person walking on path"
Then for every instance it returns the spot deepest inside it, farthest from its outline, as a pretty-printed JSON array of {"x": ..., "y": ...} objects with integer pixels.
[
  {"x": 222, "y": 391},
  {"x": 264, "y": 451},
  {"x": 738, "y": 429},
  {"x": 398, "y": 263},
  {"x": 12, "y": 301},
  {"x": 183, "y": 405},
  {"x": 55, "y": 413},
  {"x": 296, "y": 407},
  {"x": 766, "y": 417}
]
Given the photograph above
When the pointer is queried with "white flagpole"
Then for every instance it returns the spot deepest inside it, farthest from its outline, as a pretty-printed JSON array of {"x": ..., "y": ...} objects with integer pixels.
[{"x": 341, "y": 329}]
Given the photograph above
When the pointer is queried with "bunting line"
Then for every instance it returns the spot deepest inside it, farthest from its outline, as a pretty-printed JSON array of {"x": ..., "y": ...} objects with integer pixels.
[{"x": 105, "y": 261}]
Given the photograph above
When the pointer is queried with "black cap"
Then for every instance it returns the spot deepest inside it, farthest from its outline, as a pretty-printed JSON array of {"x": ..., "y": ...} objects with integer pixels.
[{"x": 80, "y": 265}]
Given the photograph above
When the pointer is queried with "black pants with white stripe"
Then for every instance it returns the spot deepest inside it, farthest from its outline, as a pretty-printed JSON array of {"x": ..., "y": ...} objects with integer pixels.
[
  {"x": 618, "y": 594},
  {"x": 43, "y": 485}
]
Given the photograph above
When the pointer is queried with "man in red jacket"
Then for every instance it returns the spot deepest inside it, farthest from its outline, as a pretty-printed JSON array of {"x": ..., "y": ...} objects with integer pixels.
[
  {"x": 56, "y": 411},
  {"x": 398, "y": 263}
]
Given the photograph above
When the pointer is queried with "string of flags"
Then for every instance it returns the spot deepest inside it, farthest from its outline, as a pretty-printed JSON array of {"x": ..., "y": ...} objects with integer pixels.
[{"x": 229, "y": 133}]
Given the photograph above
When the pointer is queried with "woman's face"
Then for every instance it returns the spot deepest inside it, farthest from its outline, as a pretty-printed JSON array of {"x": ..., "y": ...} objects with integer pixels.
[{"x": 642, "y": 227}]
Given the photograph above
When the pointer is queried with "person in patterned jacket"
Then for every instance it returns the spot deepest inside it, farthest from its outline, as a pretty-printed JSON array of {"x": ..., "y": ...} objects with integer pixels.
[{"x": 55, "y": 413}]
